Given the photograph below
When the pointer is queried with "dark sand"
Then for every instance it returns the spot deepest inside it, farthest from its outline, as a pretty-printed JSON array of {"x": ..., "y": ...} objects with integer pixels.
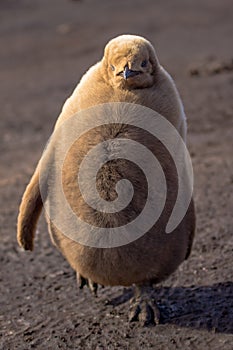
[{"x": 45, "y": 48}]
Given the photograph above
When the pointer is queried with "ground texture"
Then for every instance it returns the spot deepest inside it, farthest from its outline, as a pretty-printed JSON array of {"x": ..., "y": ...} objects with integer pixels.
[{"x": 45, "y": 47}]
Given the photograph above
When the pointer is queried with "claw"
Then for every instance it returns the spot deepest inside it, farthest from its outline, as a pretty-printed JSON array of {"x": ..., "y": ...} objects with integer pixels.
[
  {"x": 93, "y": 287},
  {"x": 143, "y": 307},
  {"x": 81, "y": 281}
]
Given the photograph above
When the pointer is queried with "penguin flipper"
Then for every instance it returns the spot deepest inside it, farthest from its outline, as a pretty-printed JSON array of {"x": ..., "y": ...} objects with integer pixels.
[{"x": 29, "y": 212}]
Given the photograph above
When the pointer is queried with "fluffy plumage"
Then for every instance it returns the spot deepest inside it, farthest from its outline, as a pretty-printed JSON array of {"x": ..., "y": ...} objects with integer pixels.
[{"x": 128, "y": 72}]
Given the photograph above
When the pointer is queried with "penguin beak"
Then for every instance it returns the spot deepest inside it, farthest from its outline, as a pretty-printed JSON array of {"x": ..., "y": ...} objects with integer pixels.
[{"x": 127, "y": 73}]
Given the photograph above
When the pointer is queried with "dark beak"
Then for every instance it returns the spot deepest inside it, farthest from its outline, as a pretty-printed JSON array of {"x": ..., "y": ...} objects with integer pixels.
[{"x": 127, "y": 73}]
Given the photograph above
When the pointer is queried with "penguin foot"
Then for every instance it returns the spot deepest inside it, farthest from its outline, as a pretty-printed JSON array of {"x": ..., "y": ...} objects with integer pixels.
[
  {"x": 143, "y": 307},
  {"x": 82, "y": 281}
]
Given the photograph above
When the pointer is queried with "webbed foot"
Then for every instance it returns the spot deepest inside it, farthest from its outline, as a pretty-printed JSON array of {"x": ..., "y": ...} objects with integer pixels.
[
  {"x": 82, "y": 281},
  {"x": 143, "y": 306}
]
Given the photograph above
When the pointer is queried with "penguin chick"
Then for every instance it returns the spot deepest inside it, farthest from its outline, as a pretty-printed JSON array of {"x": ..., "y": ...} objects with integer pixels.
[{"x": 128, "y": 72}]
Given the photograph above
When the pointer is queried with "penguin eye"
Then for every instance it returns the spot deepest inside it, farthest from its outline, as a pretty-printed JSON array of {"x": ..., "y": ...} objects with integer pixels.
[
  {"x": 144, "y": 63},
  {"x": 112, "y": 67}
]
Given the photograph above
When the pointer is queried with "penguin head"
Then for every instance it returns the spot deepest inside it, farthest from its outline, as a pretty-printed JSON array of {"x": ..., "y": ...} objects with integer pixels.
[{"x": 130, "y": 62}]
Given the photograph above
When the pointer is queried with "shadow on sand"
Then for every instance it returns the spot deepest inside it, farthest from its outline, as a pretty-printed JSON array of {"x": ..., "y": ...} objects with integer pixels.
[{"x": 202, "y": 307}]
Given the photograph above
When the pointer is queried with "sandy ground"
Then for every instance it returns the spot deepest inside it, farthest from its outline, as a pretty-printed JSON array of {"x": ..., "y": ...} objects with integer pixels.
[{"x": 45, "y": 47}]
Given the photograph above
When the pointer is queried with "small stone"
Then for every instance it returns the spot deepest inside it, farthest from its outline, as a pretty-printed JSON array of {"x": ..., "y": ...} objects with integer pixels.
[{"x": 63, "y": 28}]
